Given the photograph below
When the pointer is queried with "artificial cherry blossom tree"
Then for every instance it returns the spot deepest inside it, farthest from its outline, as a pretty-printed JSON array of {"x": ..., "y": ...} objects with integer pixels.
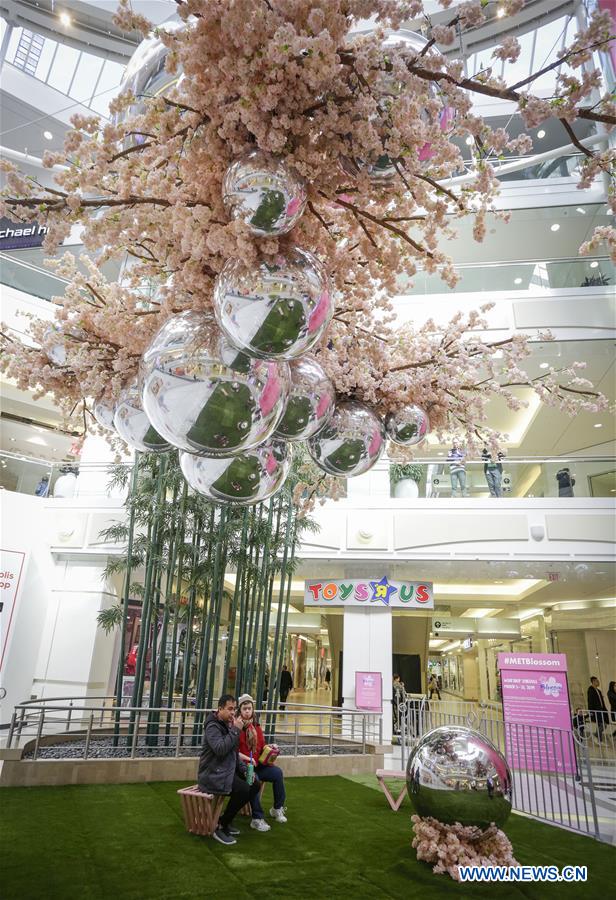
[{"x": 298, "y": 78}]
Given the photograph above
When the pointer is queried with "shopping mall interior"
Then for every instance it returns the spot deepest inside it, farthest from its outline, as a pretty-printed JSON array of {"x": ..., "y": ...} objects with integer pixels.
[{"x": 133, "y": 597}]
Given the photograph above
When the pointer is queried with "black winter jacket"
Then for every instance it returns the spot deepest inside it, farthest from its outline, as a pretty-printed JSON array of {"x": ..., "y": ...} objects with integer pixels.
[{"x": 219, "y": 761}]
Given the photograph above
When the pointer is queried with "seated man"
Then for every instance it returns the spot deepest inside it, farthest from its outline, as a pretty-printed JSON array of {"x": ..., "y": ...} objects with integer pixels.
[{"x": 220, "y": 767}]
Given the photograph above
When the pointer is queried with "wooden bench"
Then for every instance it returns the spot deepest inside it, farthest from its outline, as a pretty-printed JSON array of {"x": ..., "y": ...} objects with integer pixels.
[
  {"x": 201, "y": 811},
  {"x": 381, "y": 775}
]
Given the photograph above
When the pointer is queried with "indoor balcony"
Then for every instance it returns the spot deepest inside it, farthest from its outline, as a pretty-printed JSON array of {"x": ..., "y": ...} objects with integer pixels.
[{"x": 417, "y": 518}]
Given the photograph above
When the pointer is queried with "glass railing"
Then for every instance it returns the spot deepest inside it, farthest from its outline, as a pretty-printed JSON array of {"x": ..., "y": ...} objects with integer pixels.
[
  {"x": 527, "y": 275},
  {"x": 429, "y": 479},
  {"x": 561, "y": 167},
  {"x": 60, "y": 480},
  {"x": 30, "y": 279},
  {"x": 529, "y": 478}
]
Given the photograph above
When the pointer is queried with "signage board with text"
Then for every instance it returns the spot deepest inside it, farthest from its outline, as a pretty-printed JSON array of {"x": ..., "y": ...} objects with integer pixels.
[
  {"x": 375, "y": 593},
  {"x": 11, "y": 568},
  {"x": 486, "y": 627},
  {"x": 369, "y": 691},
  {"x": 536, "y": 711}
]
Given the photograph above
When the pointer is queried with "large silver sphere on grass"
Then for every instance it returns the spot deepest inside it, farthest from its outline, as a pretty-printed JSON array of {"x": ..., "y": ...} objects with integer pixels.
[
  {"x": 261, "y": 190},
  {"x": 241, "y": 480},
  {"x": 350, "y": 443},
  {"x": 408, "y": 425},
  {"x": 133, "y": 425},
  {"x": 455, "y": 774},
  {"x": 206, "y": 397},
  {"x": 310, "y": 404},
  {"x": 274, "y": 310}
]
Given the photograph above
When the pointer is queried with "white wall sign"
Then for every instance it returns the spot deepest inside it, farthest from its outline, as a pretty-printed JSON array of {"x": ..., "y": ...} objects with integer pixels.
[
  {"x": 376, "y": 593},
  {"x": 11, "y": 569}
]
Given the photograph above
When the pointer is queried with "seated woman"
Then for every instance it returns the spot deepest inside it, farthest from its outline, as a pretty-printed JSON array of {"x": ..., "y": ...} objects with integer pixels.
[{"x": 252, "y": 741}]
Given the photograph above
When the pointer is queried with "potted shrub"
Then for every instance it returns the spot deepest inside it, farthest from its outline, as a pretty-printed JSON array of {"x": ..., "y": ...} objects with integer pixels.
[{"x": 405, "y": 478}]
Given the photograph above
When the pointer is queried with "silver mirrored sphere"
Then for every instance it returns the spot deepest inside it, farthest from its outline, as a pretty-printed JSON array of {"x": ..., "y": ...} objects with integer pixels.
[
  {"x": 408, "y": 425},
  {"x": 145, "y": 76},
  {"x": 103, "y": 413},
  {"x": 133, "y": 425},
  {"x": 261, "y": 190},
  {"x": 241, "y": 480},
  {"x": 350, "y": 443},
  {"x": 274, "y": 310},
  {"x": 455, "y": 774},
  {"x": 205, "y": 396},
  {"x": 310, "y": 404}
]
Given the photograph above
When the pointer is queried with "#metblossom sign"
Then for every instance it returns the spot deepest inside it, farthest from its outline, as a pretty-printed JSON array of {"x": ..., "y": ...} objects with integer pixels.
[
  {"x": 375, "y": 593},
  {"x": 536, "y": 711}
]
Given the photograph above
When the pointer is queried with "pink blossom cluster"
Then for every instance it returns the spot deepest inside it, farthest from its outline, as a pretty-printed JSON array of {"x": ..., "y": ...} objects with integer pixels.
[
  {"x": 449, "y": 846},
  {"x": 295, "y": 78}
]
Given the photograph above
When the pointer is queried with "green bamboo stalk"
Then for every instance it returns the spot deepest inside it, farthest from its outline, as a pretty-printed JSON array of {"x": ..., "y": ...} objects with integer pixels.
[
  {"x": 192, "y": 596},
  {"x": 158, "y": 671},
  {"x": 178, "y": 594},
  {"x": 125, "y": 599},
  {"x": 267, "y": 607},
  {"x": 153, "y": 542},
  {"x": 283, "y": 635},
  {"x": 256, "y": 603},
  {"x": 220, "y": 591},
  {"x": 239, "y": 581},
  {"x": 249, "y": 577}
]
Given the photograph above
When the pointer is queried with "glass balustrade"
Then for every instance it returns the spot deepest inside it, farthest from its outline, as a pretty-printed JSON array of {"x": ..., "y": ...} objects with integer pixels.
[
  {"x": 526, "y": 275},
  {"x": 30, "y": 279},
  {"x": 533, "y": 478},
  {"x": 59, "y": 480},
  {"x": 518, "y": 478}
]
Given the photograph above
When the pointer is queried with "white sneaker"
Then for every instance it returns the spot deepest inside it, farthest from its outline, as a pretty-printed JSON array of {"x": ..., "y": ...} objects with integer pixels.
[
  {"x": 260, "y": 825},
  {"x": 278, "y": 814}
]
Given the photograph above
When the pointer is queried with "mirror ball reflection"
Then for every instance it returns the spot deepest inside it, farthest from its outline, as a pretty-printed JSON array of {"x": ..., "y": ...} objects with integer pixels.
[
  {"x": 206, "y": 397},
  {"x": 261, "y": 190},
  {"x": 455, "y": 774},
  {"x": 241, "y": 480},
  {"x": 311, "y": 401},
  {"x": 350, "y": 443},
  {"x": 408, "y": 425},
  {"x": 133, "y": 425},
  {"x": 274, "y": 310}
]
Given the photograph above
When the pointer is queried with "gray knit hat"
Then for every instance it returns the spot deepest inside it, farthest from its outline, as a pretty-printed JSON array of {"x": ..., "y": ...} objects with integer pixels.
[{"x": 245, "y": 698}]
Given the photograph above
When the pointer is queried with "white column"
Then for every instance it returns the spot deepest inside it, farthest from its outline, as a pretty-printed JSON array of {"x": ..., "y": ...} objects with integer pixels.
[{"x": 367, "y": 648}]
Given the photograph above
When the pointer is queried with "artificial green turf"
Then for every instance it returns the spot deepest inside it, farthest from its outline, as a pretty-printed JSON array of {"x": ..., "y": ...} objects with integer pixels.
[{"x": 128, "y": 841}]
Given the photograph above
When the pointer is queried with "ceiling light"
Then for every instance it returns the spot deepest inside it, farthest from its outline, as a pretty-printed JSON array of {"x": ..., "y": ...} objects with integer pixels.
[
  {"x": 594, "y": 264},
  {"x": 555, "y": 227},
  {"x": 598, "y": 425},
  {"x": 517, "y": 281},
  {"x": 37, "y": 440},
  {"x": 48, "y": 135},
  {"x": 13, "y": 439},
  {"x": 65, "y": 19},
  {"x": 544, "y": 365},
  {"x": 581, "y": 211},
  {"x": 470, "y": 140},
  {"x": 541, "y": 134}
]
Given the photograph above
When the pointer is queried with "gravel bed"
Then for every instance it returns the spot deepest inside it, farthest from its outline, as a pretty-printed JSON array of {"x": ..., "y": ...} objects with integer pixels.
[{"x": 103, "y": 748}]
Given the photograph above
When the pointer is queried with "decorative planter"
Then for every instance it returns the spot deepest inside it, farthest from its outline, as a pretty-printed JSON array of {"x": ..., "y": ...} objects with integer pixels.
[{"x": 406, "y": 487}]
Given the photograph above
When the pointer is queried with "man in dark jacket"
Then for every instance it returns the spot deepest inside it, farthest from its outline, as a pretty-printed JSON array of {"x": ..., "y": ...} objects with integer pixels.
[
  {"x": 286, "y": 685},
  {"x": 597, "y": 707},
  {"x": 220, "y": 769}
]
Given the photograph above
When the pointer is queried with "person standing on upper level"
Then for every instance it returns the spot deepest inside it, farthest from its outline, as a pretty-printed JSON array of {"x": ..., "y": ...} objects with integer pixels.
[
  {"x": 566, "y": 482},
  {"x": 457, "y": 469},
  {"x": 493, "y": 472}
]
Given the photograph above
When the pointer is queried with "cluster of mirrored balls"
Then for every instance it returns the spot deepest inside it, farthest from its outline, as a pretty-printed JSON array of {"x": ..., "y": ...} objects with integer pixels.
[{"x": 234, "y": 390}]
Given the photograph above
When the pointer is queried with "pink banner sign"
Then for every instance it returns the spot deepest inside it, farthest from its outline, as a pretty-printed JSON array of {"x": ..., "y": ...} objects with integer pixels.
[
  {"x": 536, "y": 710},
  {"x": 369, "y": 691}
]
